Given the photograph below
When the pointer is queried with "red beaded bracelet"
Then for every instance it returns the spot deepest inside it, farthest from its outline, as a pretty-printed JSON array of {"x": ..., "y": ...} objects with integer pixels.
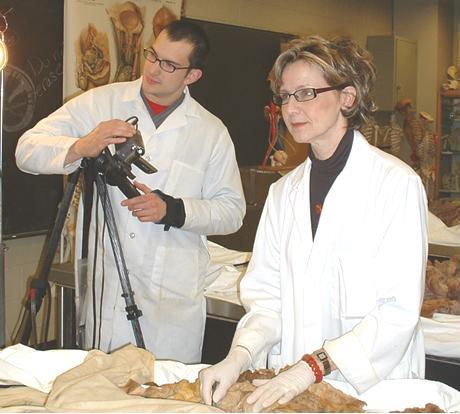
[{"x": 314, "y": 367}]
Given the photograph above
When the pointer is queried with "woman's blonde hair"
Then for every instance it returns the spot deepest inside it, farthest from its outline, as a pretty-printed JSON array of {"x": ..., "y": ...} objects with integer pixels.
[{"x": 342, "y": 61}]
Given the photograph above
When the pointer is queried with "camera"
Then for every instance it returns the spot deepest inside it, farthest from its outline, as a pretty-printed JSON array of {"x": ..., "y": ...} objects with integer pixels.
[{"x": 116, "y": 168}]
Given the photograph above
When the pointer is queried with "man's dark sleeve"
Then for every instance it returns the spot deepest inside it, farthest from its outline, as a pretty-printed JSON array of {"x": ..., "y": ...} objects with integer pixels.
[{"x": 175, "y": 211}]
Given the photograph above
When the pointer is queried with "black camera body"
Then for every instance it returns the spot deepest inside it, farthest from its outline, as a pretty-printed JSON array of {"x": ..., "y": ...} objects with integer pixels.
[{"x": 117, "y": 167}]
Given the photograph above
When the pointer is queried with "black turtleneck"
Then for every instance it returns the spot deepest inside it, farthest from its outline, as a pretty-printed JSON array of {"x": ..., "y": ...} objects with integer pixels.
[{"x": 323, "y": 174}]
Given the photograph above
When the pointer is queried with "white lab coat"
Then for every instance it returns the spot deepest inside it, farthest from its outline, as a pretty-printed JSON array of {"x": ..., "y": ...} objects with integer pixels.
[
  {"x": 195, "y": 158},
  {"x": 359, "y": 286}
]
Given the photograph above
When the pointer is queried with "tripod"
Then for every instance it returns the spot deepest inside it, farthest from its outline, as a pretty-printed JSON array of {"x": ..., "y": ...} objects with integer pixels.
[
  {"x": 115, "y": 169},
  {"x": 133, "y": 313}
]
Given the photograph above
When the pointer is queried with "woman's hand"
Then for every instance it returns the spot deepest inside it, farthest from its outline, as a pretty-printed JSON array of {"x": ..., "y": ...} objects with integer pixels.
[{"x": 283, "y": 388}]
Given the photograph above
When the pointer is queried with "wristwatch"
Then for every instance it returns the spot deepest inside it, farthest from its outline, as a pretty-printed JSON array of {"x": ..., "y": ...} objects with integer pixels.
[{"x": 322, "y": 356}]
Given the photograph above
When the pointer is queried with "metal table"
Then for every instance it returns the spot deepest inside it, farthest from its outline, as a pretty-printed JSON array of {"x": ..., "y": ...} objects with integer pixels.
[{"x": 62, "y": 275}]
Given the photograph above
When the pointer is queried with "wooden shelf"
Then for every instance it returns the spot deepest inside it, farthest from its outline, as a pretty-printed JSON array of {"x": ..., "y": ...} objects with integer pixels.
[
  {"x": 445, "y": 159},
  {"x": 449, "y": 191},
  {"x": 451, "y": 93}
]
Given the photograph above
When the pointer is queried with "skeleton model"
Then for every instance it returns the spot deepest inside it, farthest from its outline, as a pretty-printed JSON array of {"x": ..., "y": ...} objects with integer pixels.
[
  {"x": 427, "y": 153},
  {"x": 413, "y": 131},
  {"x": 128, "y": 24},
  {"x": 370, "y": 130},
  {"x": 396, "y": 135},
  {"x": 418, "y": 132},
  {"x": 387, "y": 137},
  {"x": 93, "y": 64}
]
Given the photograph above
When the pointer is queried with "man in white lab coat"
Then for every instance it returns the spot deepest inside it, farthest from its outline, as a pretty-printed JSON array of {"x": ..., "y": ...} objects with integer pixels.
[
  {"x": 197, "y": 192},
  {"x": 336, "y": 279}
]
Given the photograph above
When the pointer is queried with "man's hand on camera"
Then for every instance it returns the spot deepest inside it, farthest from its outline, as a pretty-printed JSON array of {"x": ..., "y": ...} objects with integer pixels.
[
  {"x": 106, "y": 133},
  {"x": 148, "y": 207}
]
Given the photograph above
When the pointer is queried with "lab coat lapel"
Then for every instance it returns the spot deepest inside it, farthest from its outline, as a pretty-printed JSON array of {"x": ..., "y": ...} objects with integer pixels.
[
  {"x": 177, "y": 118},
  {"x": 333, "y": 214},
  {"x": 145, "y": 120},
  {"x": 299, "y": 200},
  {"x": 298, "y": 241},
  {"x": 340, "y": 200},
  {"x": 299, "y": 234}
]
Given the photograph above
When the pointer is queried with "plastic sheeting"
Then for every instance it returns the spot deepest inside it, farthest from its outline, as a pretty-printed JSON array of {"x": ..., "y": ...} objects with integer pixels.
[
  {"x": 442, "y": 335},
  {"x": 440, "y": 234},
  {"x": 388, "y": 395},
  {"x": 20, "y": 364}
]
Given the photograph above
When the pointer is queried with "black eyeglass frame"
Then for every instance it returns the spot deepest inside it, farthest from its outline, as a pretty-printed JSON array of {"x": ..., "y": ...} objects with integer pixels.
[
  {"x": 316, "y": 92},
  {"x": 149, "y": 50}
]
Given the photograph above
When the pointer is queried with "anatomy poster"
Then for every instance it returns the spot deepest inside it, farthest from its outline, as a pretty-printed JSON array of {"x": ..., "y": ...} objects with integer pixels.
[{"x": 104, "y": 39}]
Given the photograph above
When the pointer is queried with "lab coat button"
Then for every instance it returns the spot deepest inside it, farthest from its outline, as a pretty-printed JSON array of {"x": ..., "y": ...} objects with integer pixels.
[{"x": 132, "y": 235}]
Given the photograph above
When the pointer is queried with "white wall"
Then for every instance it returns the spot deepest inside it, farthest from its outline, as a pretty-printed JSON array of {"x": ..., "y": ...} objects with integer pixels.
[
  {"x": 430, "y": 22},
  {"x": 446, "y": 39},
  {"x": 355, "y": 18}
]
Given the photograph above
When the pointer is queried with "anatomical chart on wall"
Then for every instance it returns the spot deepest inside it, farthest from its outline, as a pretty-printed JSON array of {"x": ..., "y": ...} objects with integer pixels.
[{"x": 104, "y": 39}]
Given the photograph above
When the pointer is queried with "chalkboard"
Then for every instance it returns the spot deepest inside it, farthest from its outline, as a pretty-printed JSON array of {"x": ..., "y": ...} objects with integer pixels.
[
  {"x": 234, "y": 86},
  {"x": 32, "y": 90}
]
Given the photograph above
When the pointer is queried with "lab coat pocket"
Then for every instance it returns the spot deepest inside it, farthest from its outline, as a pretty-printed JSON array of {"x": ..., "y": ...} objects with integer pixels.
[
  {"x": 184, "y": 180},
  {"x": 177, "y": 272},
  {"x": 357, "y": 287}
]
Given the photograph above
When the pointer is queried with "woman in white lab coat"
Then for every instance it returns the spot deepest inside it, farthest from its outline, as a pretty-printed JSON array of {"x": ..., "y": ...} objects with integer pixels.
[
  {"x": 196, "y": 163},
  {"x": 336, "y": 279}
]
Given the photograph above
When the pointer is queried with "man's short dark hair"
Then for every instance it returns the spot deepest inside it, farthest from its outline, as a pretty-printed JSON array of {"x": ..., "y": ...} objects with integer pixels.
[{"x": 186, "y": 30}]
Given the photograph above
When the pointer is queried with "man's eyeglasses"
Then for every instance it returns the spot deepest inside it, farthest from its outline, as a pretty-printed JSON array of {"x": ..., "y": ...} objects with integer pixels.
[
  {"x": 304, "y": 94},
  {"x": 166, "y": 65}
]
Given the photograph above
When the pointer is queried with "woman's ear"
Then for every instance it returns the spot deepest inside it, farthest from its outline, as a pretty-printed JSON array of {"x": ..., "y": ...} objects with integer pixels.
[
  {"x": 348, "y": 96},
  {"x": 193, "y": 76}
]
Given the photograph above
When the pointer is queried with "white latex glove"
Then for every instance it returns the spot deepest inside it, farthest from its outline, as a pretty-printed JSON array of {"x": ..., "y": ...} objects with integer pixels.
[
  {"x": 283, "y": 388},
  {"x": 223, "y": 375}
]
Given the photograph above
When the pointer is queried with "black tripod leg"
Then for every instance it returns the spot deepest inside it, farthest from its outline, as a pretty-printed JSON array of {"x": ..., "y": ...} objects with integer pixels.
[
  {"x": 133, "y": 312},
  {"x": 49, "y": 251}
]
